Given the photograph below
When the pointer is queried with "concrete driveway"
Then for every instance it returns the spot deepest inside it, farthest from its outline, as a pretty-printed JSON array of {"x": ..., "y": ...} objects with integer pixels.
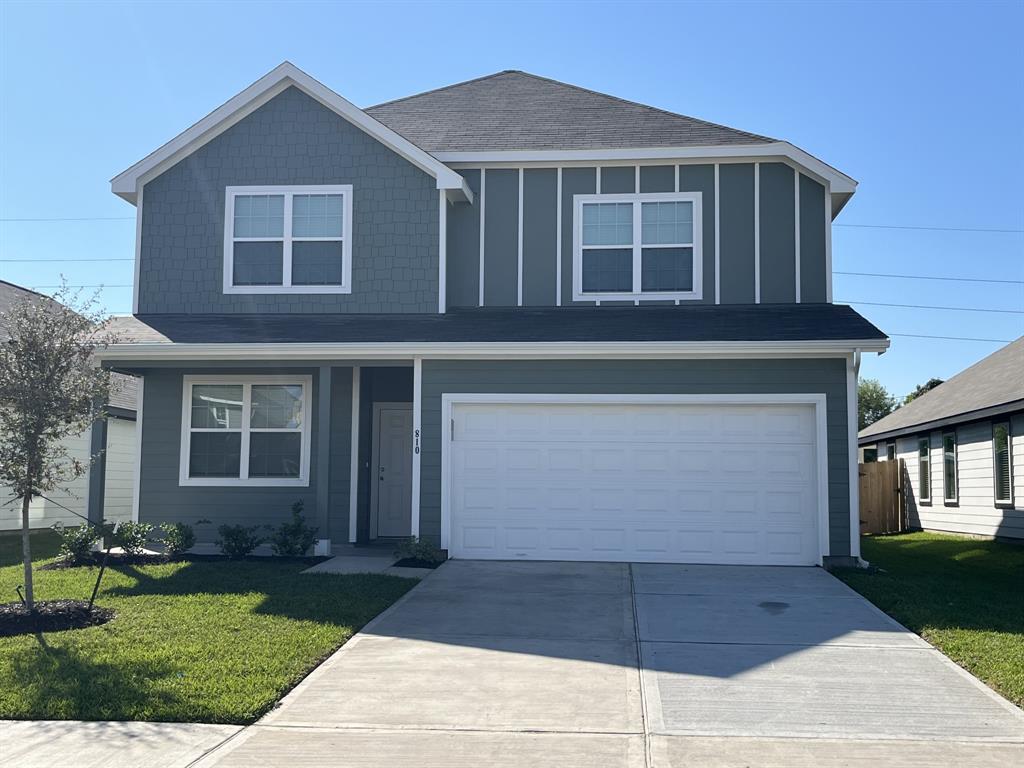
[{"x": 583, "y": 664}]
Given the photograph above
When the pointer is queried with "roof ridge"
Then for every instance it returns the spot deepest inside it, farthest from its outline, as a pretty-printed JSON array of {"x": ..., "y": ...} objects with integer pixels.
[
  {"x": 636, "y": 103},
  {"x": 442, "y": 88}
]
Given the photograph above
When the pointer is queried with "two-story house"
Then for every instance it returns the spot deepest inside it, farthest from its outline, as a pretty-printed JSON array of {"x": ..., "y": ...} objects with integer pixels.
[{"x": 515, "y": 317}]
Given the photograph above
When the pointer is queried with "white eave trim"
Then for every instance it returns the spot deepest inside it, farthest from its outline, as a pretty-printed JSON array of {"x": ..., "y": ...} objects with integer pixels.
[
  {"x": 154, "y": 351},
  {"x": 840, "y": 183},
  {"x": 285, "y": 75}
]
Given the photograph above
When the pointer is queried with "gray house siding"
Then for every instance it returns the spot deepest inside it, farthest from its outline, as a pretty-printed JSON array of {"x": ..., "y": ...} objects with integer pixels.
[
  {"x": 162, "y": 499},
  {"x": 641, "y": 376},
  {"x": 292, "y": 139},
  {"x": 736, "y": 228},
  {"x": 777, "y": 231},
  {"x": 778, "y": 234},
  {"x": 975, "y": 511}
]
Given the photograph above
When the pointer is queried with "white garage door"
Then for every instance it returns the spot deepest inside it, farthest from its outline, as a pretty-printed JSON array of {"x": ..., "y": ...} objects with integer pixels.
[{"x": 668, "y": 482}]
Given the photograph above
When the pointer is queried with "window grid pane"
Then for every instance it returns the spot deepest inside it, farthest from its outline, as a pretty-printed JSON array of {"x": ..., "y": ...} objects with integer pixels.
[
  {"x": 276, "y": 406},
  {"x": 275, "y": 454},
  {"x": 924, "y": 476},
  {"x": 608, "y": 270},
  {"x": 666, "y": 223},
  {"x": 666, "y": 269},
  {"x": 608, "y": 224},
  {"x": 949, "y": 466},
  {"x": 213, "y": 454},
  {"x": 317, "y": 215},
  {"x": 259, "y": 216},
  {"x": 217, "y": 406}
]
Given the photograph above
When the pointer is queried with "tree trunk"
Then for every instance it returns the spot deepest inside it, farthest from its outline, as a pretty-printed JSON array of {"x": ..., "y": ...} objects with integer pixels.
[{"x": 26, "y": 555}]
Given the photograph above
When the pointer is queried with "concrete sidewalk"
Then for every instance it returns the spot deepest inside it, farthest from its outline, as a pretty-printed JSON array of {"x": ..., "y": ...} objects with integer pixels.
[{"x": 46, "y": 743}]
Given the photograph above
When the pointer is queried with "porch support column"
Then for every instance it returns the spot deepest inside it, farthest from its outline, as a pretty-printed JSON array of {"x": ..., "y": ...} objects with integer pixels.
[
  {"x": 417, "y": 407},
  {"x": 97, "y": 470},
  {"x": 323, "y": 462}
]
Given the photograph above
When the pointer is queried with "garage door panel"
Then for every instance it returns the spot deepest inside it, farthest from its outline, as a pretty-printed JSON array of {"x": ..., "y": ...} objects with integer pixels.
[{"x": 631, "y": 482}]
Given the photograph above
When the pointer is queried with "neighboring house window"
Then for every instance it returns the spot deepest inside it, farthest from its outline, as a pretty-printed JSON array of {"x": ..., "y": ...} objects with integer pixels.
[
  {"x": 1002, "y": 460},
  {"x": 637, "y": 246},
  {"x": 245, "y": 430},
  {"x": 924, "y": 471},
  {"x": 288, "y": 239},
  {"x": 949, "y": 478},
  {"x": 870, "y": 455},
  {"x": 890, "y": 450}
]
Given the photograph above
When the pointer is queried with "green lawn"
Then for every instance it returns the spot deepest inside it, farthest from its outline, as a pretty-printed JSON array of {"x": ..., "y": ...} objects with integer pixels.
[
  {"x": 964, "y": 596},
  {"x": 45, "y": 543},
  {"x": 204, "y": 641}
]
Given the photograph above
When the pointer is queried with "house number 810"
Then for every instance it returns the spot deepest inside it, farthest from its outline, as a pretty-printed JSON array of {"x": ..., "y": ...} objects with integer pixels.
[{"x": 416, "y": 441}]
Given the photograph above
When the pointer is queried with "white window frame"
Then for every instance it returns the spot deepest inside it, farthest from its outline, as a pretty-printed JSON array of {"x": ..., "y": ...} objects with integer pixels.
[
  {"x": 955, "y": 498},
  {"x": 1007, "y": 502},
  {"x": 924, "y": 491},
  {"x": 247, "y": 382},
  {"x": 635, "y": 199},
  {"x": 895, "y": 455},
  {"x": 287, "y": 239}
]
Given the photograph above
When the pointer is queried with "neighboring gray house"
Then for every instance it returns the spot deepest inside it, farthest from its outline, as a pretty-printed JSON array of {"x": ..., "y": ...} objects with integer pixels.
[
  {"x": 963, "y": 444},
  {"x": 106, "y": 490},
  {"x": 517, "y": 318}
]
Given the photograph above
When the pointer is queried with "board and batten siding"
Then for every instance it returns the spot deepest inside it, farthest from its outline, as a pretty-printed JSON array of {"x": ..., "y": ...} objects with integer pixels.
[
  {"x": 826, "y": 376},
  {"x": 120, "y": 469},
  {"x": 975, "y": 511},
  {"x": 162, "y": 499},
  {"x": 507, "y": 257}
]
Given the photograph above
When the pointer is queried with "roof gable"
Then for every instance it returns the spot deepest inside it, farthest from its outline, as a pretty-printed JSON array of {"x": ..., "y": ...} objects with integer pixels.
[
  {"x": 515, "y": 110},
  {"x": 996, "y": 380},
  {"x": 127, "y": 183}
]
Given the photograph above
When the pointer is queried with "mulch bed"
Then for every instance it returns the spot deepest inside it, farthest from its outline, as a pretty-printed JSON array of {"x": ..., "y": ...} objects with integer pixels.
[
  {"x": 415, "y": 562},
  {"x": 96, "y": 559},
  {"x": 50, "y": 616}
]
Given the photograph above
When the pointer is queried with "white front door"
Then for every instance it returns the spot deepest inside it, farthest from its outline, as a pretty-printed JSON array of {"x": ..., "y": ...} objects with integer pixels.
[
  {"x": 631, "y": 481},
  {"x": 392, "y": 465}
]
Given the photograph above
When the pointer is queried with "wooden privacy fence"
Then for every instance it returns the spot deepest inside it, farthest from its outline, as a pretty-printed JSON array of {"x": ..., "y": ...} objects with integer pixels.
[{"x": 881, "y": 501}]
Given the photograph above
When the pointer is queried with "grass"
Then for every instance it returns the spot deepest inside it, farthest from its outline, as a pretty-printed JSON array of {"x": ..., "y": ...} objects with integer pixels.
[
  {"x": 964, "y": 596},
  {"x": 203, "y": 641},
  {"x": 44, "y": 543}
]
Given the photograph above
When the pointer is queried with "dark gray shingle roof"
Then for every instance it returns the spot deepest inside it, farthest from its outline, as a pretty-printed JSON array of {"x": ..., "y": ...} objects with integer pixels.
[
  {"x": 514, "y": 110},
  {"x": 123, "y": 389},
  {"x": 996, "y": 380},
  {"x": 764, "y": 322}
]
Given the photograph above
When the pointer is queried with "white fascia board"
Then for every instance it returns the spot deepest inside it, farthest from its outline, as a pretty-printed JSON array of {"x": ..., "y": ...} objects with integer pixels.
[
  {"x": 126, "y": 184},
  {"x": 840, "y": 183},
  {"x": 154, "y": 351}
]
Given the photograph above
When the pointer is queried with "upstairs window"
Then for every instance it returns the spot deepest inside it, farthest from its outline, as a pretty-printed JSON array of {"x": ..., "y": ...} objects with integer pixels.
[
  {"x": 1002, "y": 461},
  {"x": 288, "y": 239},
  {"x": 924, "y": 471},
  {"x": 628, "y": 247}
]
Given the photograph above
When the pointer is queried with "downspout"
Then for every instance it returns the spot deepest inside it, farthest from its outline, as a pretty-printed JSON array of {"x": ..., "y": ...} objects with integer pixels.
[{"x": 852, "y": 411}]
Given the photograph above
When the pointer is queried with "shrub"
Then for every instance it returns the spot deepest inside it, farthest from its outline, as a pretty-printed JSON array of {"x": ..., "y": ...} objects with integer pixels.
[
  {"x": 293, "y": 539},
  {"x": 76, "y": 542},
  {"x": 418, "y": 549},
  {"x": 178, "y": 538},
  {"x": 237, "y": 541},
  {"x": 132, "y": 537}
]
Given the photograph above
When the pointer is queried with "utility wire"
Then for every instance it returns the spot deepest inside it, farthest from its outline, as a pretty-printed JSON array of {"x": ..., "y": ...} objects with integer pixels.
[
  {"x": 928, "y": 277},
  {"x": 931, "y": 306},
  {"x": 929, "y": 229},
  {"x": 949, "y": 338}
]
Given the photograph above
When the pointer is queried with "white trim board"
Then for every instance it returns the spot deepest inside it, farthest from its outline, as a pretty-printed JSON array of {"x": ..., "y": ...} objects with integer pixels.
[
  {"x": 353, "y": 478},
  {"x": 495, "y": 351},
  {"x": 283, "y": 76},
  {"x": 817, "y": 400}
]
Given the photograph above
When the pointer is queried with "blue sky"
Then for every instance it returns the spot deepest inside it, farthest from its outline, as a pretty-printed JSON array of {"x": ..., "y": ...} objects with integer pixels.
[{"x": 923, "y": 103}]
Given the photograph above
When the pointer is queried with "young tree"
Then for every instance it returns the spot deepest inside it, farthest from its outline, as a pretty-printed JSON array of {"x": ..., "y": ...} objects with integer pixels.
[
  {"x": 873, "y": 402},
  {"x": 49, "y": 388},
  {"x": 920, "y": 389}
]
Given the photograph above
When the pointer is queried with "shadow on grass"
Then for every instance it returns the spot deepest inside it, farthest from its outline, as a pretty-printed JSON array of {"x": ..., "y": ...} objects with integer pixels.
[
  {"x": 342, "y": 600},
  {"x": 59, "y": 683}
]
